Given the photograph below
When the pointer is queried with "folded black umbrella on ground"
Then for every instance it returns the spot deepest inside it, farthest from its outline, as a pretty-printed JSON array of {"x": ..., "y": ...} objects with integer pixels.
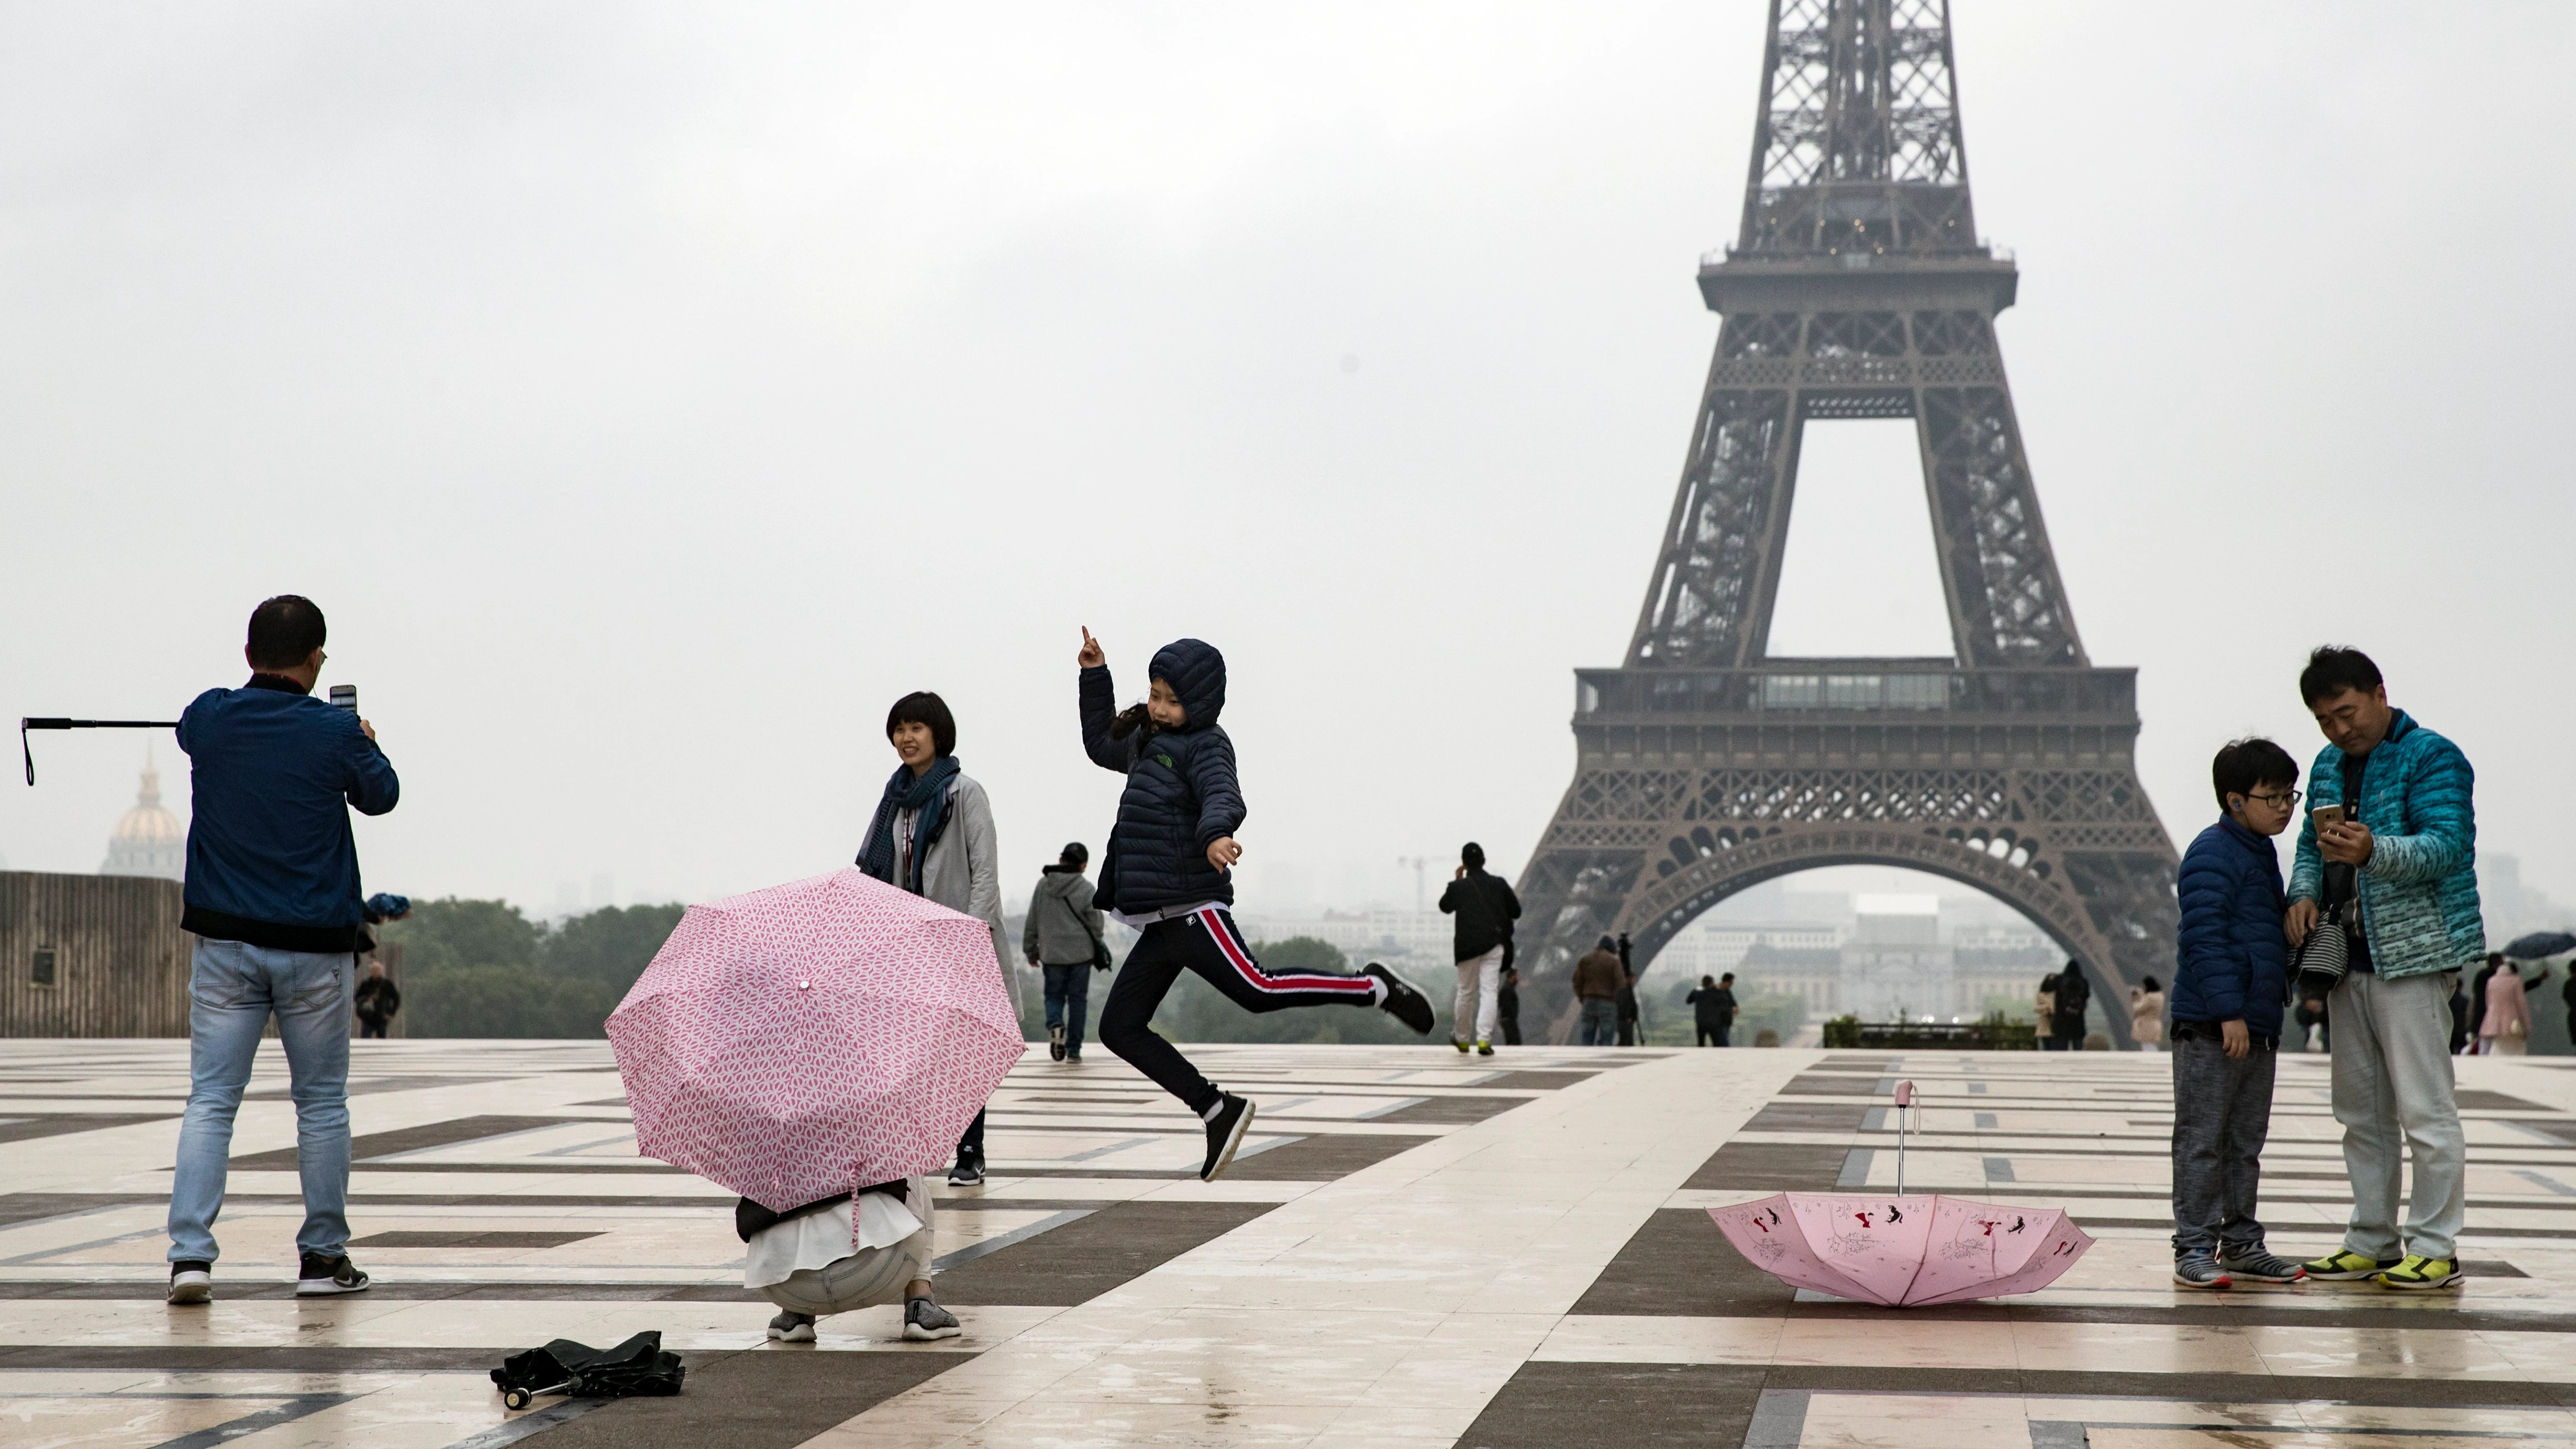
[{"x": 637, "y": 1366}]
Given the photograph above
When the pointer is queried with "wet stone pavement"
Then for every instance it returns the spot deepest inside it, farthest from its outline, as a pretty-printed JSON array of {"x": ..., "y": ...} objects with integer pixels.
[{"x": 1414, "y": 1248}]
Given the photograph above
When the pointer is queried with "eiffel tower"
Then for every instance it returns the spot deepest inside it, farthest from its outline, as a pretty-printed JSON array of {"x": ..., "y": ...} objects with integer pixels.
[{"x": 1857, "y": 288}]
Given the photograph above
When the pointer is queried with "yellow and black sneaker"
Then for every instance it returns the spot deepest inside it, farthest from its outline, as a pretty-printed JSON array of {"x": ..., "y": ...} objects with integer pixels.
[
  {"x": 2347, "y": 1265},
  {"x": 2419, "y": 1272}
]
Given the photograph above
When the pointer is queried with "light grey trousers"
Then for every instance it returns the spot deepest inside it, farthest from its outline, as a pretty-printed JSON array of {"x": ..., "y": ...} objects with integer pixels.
[
  {"x": 2392, "y": 1089},
  {"x": 2222, "y": 1114}
]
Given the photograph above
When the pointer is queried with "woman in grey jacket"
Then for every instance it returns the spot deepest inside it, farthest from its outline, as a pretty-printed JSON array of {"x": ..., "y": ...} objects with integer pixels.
[{"x": 933, "y": 836}]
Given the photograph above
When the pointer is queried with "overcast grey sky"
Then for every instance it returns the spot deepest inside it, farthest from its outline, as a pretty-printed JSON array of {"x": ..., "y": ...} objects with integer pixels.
[{"x": 652, "y": 393}]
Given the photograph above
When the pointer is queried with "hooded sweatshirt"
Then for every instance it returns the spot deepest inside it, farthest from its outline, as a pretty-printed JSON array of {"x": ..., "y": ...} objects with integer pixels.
[
  {"x": 1061, "y": 919},
  {"x": 1181, "y": 794}
]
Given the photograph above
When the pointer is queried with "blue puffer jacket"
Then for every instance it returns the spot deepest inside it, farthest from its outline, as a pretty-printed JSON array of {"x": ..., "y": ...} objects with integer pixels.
[
  {"x": 2231, "y": 962},
  {"x": 1181, "y": 792},
  {"x": 2419, "y": 889}
]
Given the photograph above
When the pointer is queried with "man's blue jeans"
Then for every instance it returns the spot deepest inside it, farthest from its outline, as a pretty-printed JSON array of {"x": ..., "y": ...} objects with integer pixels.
[
  {"x": 1068, "y": 992},
  {"x": 232, "y": 988},
  {"x": 1599, "y": 1025}
]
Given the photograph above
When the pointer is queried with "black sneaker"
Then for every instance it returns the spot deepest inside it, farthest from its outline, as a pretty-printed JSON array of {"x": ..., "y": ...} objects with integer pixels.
[
  {"x": 923, "y": 1319},
  {"x": 968, "y": 1171},
  {"x": 320, "y": 1276},
  {"x": 1225, "y": 1133},
  {"x": 1402, "y": 1002},
  {"x": 1055, "y": 1042},
  {"x": 192, "y": 1281}
]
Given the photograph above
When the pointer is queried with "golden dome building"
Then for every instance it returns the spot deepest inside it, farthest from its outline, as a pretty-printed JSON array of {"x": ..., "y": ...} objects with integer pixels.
[{"x": 148, "y": 840}]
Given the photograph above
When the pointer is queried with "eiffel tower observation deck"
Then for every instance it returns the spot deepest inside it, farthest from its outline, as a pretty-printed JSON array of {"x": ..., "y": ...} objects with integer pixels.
[{"x": 1857, "y": 287}]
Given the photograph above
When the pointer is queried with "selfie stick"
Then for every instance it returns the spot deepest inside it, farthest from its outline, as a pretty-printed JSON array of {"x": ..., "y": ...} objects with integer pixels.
[
  {"x": 1904, "y": 1101},
  {"x": 25, "y": 725}
]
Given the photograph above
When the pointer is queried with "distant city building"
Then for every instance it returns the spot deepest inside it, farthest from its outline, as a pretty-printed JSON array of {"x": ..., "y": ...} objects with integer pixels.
[{"x": 148, "y": 840}]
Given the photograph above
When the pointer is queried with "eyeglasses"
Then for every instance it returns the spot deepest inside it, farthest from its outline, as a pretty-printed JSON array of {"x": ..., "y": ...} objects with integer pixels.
[{"x": 2284, "y": 800}]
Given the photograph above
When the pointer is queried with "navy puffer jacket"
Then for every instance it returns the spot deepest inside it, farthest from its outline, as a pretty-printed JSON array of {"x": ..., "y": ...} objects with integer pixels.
[
  {"x": 1181, "y": 792},
  {"x": 2231, "y": 961}
]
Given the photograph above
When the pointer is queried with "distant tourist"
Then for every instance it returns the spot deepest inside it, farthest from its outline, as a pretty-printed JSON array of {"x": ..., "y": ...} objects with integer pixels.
[
  {"x": 378, "y": 1000},
  {"x": 1713, "y": 1009},
  {"x": 1597, "y": 982},
  {"x": 2311, "y": 1018},
  {"x": 2043, "y": 1004},
  {"x": 2147, "y": 1015},
  {"x": 1062, "y": 939},
  {"x": 1629, "y": 1014},
  {"x": 1485, "y": 908},
  {"x": 2504, "y": 1028},
  {"x": 2390, "y": 847},
  {"x": 2231, "y": 971},
  {"x": 1507, "y": 1006},
  {"x": 272, "y": 897},
  {"x": 932, "y": 835},
  {"x": 1168, "y": 874},
  {"x": 2073, "y": 994}
]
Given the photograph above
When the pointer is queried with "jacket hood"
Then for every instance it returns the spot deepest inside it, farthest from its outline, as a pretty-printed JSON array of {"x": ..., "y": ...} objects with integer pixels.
[
  {"x": 1059, "y": 880},
  {"x": 1196, "y": 672}
]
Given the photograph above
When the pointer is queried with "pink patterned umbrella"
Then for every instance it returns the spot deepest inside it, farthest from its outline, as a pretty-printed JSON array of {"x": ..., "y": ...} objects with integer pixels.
[
  {"x": 1903, "y": 1251},
  {"x": 799, "y": 1041}
]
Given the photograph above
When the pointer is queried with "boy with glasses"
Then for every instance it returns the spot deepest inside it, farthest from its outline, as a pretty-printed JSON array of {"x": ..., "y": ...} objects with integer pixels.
[{"x": 2231, "y": 974}]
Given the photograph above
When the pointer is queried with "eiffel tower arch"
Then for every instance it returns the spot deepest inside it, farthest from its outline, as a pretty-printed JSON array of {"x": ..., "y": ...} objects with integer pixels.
[{"x": 1856, "y": 288}]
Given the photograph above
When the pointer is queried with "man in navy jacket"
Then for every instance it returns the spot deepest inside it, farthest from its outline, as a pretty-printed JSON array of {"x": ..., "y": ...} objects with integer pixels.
[
  {"x": 272, "y": 895},
  {"x": 2230, "y": 979}
]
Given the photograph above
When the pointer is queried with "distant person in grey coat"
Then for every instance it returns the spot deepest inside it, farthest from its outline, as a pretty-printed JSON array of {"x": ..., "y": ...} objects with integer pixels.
[
  {"x": 1062, "y": 939},
  {"x": 933, "y": 836}
]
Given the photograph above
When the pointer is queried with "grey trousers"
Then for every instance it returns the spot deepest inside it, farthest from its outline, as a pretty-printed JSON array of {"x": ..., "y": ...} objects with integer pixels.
[
  {"x": 2222, "y": 1114},
  {"x": 2392, "y": 1089}
]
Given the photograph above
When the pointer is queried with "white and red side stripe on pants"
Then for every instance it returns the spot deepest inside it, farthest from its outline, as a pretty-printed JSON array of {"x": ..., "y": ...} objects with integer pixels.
[{"x": 1220, "y": 928}]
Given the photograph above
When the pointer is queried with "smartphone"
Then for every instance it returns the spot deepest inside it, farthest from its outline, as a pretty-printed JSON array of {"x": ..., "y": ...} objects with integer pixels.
[
  {"x": 345, "y": 696},
  {"x": 2325, "y": 815}
]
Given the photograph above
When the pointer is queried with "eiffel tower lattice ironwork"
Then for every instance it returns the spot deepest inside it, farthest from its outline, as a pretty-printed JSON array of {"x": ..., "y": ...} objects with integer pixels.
[{"x": 1857, "y": 288}]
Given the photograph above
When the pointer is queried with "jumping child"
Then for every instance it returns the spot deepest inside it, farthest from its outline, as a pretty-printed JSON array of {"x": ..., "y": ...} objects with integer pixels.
[{"x": 1165, "y": 874}]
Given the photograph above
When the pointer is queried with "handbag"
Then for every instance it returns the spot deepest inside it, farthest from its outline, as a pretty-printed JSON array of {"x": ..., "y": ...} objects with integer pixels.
[
  {"x": 1101, "y": 960},
  {"x": 2325, "y": 955}
]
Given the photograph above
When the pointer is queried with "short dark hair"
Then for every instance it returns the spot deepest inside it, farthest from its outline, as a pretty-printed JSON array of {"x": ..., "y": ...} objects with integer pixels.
[
  {"x": 2334, "y": 668},
  {"x": 284, "y": 632},
  {"x": 1729, "y": 976},
  {"x": 2149, "y": 983},
  {"x": 1472, "y": 856},
  {"x": 921, "y": 707},
  {"x": 2241, "y": 765},
  {"x": 1075, "y": 853}
]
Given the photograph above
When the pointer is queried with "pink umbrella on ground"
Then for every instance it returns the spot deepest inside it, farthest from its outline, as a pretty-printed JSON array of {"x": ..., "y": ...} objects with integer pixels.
[
  {"x": 799, "y": 1041},
  {"x": 1903, "y": 1251}
]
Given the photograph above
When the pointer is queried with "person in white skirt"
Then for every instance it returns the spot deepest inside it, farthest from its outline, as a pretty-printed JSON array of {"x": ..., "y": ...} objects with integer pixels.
[{"x": 854, "y": 1251}]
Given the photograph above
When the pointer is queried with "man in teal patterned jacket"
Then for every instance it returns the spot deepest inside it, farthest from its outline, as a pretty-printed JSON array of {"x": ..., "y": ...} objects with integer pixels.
[{"x": 2400, "y": 872}]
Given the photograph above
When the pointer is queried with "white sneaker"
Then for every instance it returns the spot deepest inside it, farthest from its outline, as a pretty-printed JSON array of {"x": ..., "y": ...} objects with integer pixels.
[{"x": 192, "y": 1282}]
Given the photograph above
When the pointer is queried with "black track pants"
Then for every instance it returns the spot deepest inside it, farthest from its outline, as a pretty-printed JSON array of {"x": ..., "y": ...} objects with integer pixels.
[{"x": 1204, "y": 941}]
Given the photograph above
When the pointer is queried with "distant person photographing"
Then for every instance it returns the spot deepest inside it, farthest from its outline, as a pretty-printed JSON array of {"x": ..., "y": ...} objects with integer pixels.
[
  {"x": 1485, "y": 908},
  {"x": 1167, "y": 873},
  {"x": 272, "y": 894}
]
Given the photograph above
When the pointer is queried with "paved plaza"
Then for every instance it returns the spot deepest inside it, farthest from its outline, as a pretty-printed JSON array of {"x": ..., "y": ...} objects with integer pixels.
[{"x": 1415, "y": 1248}]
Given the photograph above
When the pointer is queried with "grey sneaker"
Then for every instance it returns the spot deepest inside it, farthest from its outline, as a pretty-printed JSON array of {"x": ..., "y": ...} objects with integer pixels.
[
  {"x": 192, "y": 1281},
  {"x": 792, "y": 1328},
  {"x": 923, "y": 1319},
  {"x": 2258, "y": 1265},
  {"x": 968, "y": 1171},
  {"x": 2199, "y": 1270}
]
